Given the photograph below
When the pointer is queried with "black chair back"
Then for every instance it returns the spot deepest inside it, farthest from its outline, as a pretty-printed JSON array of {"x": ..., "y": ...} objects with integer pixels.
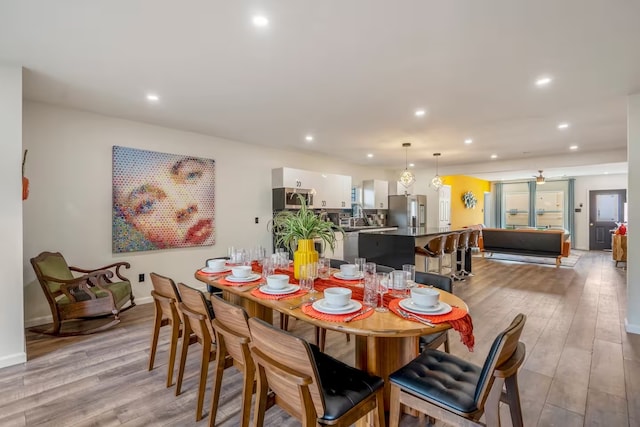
[{"x": 437, "y": 280}]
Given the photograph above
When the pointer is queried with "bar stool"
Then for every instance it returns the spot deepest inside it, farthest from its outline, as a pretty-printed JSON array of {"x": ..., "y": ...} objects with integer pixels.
[
  {"x": 433, "y": 250},
  {"x": 451, "y": 249},
  {"x": 463, "y": 248}
]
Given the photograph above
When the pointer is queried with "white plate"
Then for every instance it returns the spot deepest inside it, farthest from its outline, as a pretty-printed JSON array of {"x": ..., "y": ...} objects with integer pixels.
[
  {"x": 249, "y": 278},
  {"x": 440, "y": 308},
  {"x": 343, "y": 277},
  {"x": 212, "y": 270},
  {"x": 289, "y": 289},
  {"x": 322, "y": 306}
]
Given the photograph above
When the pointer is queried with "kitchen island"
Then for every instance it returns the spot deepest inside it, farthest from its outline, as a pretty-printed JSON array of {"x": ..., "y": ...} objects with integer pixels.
[{"x": 397, "y": 247}]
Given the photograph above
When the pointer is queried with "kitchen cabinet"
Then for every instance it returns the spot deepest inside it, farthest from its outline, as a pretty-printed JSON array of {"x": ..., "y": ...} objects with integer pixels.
[
  {"x": 375, "y": 194},
  {"x": 294, "y": 178},
  {"x": 334, "y": 192}
]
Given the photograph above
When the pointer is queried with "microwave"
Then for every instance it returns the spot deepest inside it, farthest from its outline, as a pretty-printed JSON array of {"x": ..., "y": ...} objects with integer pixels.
[{"x": 289, "y": 198}]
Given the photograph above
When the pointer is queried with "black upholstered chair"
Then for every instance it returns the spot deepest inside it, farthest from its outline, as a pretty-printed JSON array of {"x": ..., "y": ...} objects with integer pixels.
[
  {"x": 383, "y": 269},
  {"x": 457, "y": 392},
  {"x": 446, "y": 284},
  {"x": 336, "y": 263},
  {"x": 213, "y": 289},
  {"x": 308, "y": 384}
]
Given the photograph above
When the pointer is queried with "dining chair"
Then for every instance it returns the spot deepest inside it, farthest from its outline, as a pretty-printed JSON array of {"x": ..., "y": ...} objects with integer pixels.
[
  {"x": 434, "y": 249},
  {"x": 310, "y": 385},
  {"x": 463, "y": 249},
  {"x": 457, "y": 392},
  {"x": 165, "y": 300},
  {"x": 232, "y": 338},
  {"x": 197, "y": 316},
  {"x": 446, "y": 284},
  {"x": 451, "y": 249}
]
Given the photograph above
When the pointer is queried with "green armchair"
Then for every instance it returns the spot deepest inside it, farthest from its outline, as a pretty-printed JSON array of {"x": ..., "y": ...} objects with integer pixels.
[{"x": 93, "y": 294}]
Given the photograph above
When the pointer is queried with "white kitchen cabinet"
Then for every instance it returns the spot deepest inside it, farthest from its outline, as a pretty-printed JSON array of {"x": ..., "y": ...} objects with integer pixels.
[
  {"x": 375, "y": 194},
  {"x": 333, "y": 192},
  {"x": 294, "y": 178}
]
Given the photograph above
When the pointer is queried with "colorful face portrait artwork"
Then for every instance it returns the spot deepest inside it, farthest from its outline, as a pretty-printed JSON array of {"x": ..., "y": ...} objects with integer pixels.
[{"x": 161, "y": 200}]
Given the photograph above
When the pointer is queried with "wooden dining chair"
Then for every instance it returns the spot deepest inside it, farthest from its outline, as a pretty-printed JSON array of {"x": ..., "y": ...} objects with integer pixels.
[
  {"x": 308, "y": 384},
  {"x": 232, "y": 339},
  {"x": 457, "y": 392},
  {"x": 446, "y": 284},
  {"x": 165, "y": 300},
  {"x": 197, "y": 316},
  {"x": 451, "y": 250}
]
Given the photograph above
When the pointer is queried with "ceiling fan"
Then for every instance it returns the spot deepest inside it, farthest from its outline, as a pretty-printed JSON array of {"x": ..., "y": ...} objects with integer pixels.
[{"x": 540, "y": 179}]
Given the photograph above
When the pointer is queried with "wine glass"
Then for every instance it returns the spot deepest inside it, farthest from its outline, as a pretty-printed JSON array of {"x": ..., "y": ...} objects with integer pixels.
[
  {"x": 383, "y": 288},
  {"x": 360, "y": 262}
]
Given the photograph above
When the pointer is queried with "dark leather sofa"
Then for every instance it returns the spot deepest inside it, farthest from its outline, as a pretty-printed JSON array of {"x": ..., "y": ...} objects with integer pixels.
[{"x": 542, "y": 243}]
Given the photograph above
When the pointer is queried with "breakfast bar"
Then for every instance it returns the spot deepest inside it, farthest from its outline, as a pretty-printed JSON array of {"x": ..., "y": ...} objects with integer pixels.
[{"x": 397, "y": 247}]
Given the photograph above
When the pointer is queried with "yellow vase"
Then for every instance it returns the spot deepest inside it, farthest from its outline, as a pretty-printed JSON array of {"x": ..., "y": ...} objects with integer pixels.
[{"x": 305, "y": 254}]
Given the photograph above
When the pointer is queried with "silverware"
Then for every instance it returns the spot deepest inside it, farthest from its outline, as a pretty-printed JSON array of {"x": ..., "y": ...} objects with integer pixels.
[
  {"x": 408, "y": 315},
  {"x": 353, "y": 316}
]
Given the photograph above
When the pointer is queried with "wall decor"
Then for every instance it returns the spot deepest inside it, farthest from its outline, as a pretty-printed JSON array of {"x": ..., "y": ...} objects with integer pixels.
[
  {"x": 469, "y": 200},
  {"x": 161, "y": 200}
]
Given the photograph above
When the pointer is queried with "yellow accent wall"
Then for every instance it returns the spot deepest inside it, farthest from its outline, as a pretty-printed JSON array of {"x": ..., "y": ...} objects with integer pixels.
[{"x": 460, "y": 184}]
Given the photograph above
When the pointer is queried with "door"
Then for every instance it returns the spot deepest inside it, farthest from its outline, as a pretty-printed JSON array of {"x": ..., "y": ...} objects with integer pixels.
[
  {"x": 444, "y": 208},
  {"x": 488, "y": 202},
  {"x": 606, "y": 207}
]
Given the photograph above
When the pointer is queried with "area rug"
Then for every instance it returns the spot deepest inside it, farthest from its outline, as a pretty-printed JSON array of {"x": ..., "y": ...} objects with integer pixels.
[{"x": 569, "y": 261}]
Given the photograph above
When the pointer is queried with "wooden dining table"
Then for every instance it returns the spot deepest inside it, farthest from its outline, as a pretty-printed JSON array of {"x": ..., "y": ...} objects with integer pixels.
[{"x": 384, "y": 341}]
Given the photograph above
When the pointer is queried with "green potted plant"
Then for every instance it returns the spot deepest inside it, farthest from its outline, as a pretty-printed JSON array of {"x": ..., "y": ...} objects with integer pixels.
[{"x": 298, "y": 230}]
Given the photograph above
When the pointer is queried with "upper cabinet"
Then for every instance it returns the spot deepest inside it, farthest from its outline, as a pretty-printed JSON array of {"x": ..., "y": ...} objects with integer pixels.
[
  {"x": 375, "y": 194},
  {"x": 293, "y": 178},
  {"x": 331, "y": 191}
]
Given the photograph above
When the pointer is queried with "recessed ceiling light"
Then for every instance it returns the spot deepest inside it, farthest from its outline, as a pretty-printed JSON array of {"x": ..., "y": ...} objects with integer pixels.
[
  {"x": 153, "y": 97},
  {"x": 420, "y": 112},
  {"x": 411, "y": 165},
  {"x": 370, "y": 155},
  {"x": 563, "y": 126},
  {"x": 260, "y": 21},
  {"x": 309, "y": 138},
  {"x": 468, "y": 141},
  {"x": 543, "y": 81},
  {"x": 494, "y": 156},
  {"x": 606, "y": 173},
  {"x": 573, "y": 147}
]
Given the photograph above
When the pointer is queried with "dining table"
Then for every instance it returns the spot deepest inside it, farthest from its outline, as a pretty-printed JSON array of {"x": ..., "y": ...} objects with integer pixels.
[{"x": 384, "y": 341}]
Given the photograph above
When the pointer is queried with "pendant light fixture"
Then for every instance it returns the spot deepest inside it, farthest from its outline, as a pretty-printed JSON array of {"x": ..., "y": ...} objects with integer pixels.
[
  {"x": 436, "y": 182},
  {"x": 540, "y": 179},
  {"x": 407, "y": 177}
]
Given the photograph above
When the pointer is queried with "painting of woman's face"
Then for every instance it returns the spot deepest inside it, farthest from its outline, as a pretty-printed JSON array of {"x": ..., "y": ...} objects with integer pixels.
[{"x": 167, "y": 200}]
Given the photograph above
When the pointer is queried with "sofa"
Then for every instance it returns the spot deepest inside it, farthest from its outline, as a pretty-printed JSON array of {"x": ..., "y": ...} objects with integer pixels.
[{"x": 531, "y": 242}]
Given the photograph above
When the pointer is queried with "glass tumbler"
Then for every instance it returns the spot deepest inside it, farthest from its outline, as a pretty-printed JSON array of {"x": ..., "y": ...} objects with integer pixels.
[
  {"x": 399, "y": 282},
  {"x": 410, "y": 272},
  {"x": 324, "y": 268}
]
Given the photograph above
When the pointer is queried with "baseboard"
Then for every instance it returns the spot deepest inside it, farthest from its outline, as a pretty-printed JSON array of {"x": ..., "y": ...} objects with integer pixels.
[
  {"x": 631, "y": 328},
  {"x": 43, "y": 320},
  {"x": 13, "y": 359}
]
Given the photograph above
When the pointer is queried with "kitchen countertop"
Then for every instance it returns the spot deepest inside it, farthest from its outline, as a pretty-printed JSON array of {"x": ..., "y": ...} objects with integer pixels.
[
  {"x": 415, "y": 232},
  {"x": 367, "y": 228}
]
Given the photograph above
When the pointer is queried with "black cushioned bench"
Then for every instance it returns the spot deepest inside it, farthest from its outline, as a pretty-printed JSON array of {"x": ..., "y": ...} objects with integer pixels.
[{"x": 542, "y": 243}]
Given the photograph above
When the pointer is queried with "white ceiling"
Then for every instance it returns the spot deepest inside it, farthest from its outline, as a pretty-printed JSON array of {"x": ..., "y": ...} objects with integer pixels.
[{"x": 349, "y": 72}]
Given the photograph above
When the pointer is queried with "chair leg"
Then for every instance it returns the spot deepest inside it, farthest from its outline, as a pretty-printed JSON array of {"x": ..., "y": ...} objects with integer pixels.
[
  {"x": 284, "y": 322},
  {"x": 204, "y": 370},
  {"x": 446, "y": 343},
  {"x": 218, "y": 372},
  {"x": 157, "y": 322},
  {"x": 394, "y": 406},
  {"x": 260, "y": 406},
  {"x": 513, "y": 399},
  {"x": 492, "y": 405},
  {"x": 379, "y": 418},
  {"x": 247, "y": 392},
  {"x": 186, "y": 334},
  {"x": 175, "y": 333}
]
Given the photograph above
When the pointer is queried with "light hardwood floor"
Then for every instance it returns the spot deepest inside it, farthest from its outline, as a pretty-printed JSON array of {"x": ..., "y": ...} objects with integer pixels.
[{"x": 582, "y": 369}]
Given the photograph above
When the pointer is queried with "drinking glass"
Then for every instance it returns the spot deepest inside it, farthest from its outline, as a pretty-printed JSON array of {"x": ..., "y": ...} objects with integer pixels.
[
  {"x": 324, "y": 268},
  {"x": 410, "y": 272},
  {"x": 360, "y": 262},
  {"x": 312, "y": 274},
  {"x": 370, "y": 291},
  {"x": 398, "y": 283},
  {"x": 268, "y": 268},
  {"x": 383, "y": 288}
]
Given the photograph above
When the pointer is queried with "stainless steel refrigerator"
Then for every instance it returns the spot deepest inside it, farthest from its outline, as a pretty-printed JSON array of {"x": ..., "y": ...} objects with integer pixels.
[{"x": 408, "y": 211}]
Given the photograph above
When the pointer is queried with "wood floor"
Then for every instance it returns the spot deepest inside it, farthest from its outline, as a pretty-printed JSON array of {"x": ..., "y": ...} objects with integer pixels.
[{"x": 582, "y": 369}]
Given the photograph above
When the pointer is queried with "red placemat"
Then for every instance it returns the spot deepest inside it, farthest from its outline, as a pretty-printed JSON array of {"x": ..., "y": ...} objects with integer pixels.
[
  {"x": 225, "y": 282},
  {"x": 458, "y": 318},
  {"x": 310, "y": 311},
  {"x": 256, "y": 293}
]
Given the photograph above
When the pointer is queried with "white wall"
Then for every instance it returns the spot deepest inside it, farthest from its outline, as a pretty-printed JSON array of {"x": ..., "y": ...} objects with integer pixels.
[
  {"x": 633, "y": 200},
  {"x": 70, "y": 205},
  {"x": 12, "y": 345},
  {"x": 583, "y": 185}
]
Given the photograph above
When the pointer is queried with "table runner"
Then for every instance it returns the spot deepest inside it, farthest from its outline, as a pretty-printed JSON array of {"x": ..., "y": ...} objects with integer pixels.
[{"x": 458, "y": 318}]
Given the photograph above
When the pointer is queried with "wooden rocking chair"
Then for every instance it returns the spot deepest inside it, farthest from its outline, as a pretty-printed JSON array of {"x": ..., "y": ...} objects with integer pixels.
[{"x": 93, "y": 294}]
